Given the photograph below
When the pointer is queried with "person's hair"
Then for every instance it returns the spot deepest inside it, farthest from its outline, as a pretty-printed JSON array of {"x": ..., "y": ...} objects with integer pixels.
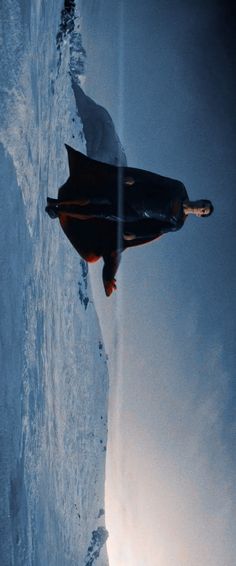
[{"x": 211, "y": 207}]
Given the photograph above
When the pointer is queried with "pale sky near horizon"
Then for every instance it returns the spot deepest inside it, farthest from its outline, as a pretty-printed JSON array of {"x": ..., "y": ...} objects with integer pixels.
[{"x": 171, "y": 458}]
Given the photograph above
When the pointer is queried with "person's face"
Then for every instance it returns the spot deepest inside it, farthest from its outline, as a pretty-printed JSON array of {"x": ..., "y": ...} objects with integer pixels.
[{"x": 202, "y": 209}]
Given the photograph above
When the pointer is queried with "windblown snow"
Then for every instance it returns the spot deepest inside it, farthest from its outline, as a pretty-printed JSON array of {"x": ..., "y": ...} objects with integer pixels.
[{"x": 54, "y": 378}]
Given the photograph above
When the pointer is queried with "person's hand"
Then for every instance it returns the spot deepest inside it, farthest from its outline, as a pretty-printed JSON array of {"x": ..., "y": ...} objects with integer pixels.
[
  {"x": 129, "y": 237},
  {"x": 129, "y": 181},
  {"x": 109, "y": 287}
]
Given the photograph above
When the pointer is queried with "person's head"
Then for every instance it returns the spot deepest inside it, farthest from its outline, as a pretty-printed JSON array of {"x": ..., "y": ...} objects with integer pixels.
[{"x": 202, "y": 208}]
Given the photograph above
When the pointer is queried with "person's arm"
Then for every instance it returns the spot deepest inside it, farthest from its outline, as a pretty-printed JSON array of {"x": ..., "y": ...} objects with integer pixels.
[
  {"x": 143, "y": 230},
  {"x": 111, "y": 264}
]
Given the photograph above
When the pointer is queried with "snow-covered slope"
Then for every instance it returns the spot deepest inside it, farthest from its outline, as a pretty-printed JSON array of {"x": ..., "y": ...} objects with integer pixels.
[{"x": 54, "y": 377}]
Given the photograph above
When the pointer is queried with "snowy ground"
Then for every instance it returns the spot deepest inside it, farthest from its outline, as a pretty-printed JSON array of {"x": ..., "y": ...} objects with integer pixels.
[{"x": 54, "y": 379}]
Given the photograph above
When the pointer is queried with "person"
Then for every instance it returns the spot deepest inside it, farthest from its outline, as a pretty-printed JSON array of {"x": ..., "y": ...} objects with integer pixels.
[{"x": 104, "y": 209}]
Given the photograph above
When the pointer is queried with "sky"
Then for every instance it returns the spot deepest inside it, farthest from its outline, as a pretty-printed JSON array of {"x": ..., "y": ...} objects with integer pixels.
[{"x": 166, "y": 73}]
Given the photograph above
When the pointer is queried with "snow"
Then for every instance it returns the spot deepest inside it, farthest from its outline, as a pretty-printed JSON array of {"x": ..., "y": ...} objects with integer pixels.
[{"x": 54, "y": 377}]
